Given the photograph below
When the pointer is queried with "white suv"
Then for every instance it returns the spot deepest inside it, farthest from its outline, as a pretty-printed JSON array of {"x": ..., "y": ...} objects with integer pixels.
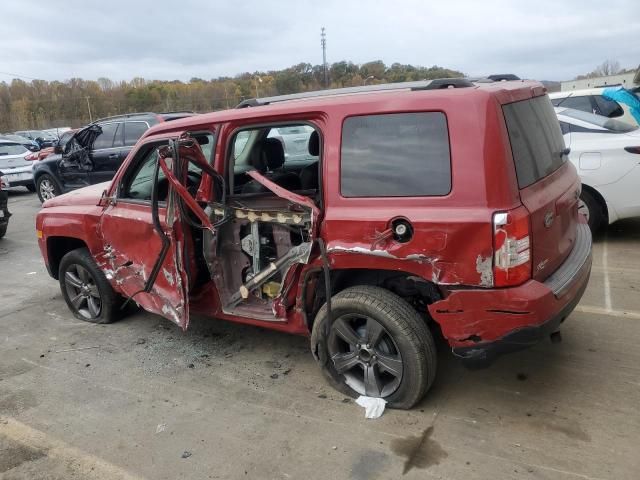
[{"x": 591, "y": 100}]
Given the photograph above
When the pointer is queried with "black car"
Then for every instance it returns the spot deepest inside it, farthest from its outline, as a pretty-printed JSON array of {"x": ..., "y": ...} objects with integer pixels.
[
  {"x": 4, "y": 211},
  {"x": 94, "y": 153}
]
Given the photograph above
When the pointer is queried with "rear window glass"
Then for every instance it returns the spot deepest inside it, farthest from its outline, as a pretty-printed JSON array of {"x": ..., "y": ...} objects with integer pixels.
[
  {"x": 608, "y": 108},
  {"x": 11, "y": 149},
  {"x": 600, "y": 121},
  {"x": 536, "y": 139},
  {"x": 395, "y": 155}
]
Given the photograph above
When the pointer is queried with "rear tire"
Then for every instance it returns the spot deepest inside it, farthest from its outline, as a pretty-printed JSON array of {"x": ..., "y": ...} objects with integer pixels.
[
  {"x": 391, "y": 354},
  {"x": 47, "y": 187},
  {"x": 593, "y": 210},
  {"x": 86, "y": 290}
]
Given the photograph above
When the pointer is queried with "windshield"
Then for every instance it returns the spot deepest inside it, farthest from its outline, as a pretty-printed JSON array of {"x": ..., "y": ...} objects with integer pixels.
[
  {"x": 11, "y": 149},
  {"x": 598, "y": 120}
]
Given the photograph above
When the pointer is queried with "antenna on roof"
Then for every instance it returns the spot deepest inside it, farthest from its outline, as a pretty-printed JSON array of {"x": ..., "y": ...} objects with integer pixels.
[{"x": 323, "y": 42}]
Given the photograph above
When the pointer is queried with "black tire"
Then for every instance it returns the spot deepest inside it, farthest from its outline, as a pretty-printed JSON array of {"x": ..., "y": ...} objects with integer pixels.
[
  {"x": 31, "y": 187},
  {"x": 47, "y": 187},
  {"x": 86, "y": 290},
  {"x": 593, "y": 209},
  {"x": 3, "y": 230},
  {"x": 405, "y": 338}
]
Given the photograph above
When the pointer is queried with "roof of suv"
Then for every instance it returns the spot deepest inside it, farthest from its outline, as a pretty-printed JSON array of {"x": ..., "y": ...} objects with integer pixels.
[
  {"x": 504, "y": 92},
  {"x": 156, "y": 117}
]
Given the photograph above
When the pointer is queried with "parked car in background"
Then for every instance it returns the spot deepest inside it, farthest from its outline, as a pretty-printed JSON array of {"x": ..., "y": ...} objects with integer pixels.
[
  {"x": 294, "y": 140},
  {"x": 17, "y": 169},
  {"x": 4, "y": 209},
  {"x": 43, "y": 139},
  {"x": 606, "y": 153},
  {"x": 591, "y": 100},
  {"x": 472, "y": 229},
  {"x": 29, "y": 144},
  {"x": 94, "y": 153},
  {"x": 59, "y": 148}
]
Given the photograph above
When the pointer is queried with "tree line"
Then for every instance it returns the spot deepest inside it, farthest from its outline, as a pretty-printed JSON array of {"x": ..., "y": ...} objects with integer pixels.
[{"x": 42, "y": 104}]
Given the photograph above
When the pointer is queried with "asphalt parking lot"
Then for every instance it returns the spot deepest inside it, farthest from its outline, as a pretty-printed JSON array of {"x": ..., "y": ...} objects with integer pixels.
[{"x": 141, "y": 399}]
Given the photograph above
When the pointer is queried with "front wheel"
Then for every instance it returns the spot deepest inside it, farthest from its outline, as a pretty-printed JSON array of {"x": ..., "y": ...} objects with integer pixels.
[
  {"x": 86, "y": 290},
  {"x": 377, "y": 345},
  {"x": 47, "y": 187}
]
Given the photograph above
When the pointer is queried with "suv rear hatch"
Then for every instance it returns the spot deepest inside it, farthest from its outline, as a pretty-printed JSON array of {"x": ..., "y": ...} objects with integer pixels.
[{"x": 549, "y": 185}]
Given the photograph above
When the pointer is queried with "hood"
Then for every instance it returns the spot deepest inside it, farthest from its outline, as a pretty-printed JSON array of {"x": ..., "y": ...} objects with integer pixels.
[{"x": 84, "y": 196}]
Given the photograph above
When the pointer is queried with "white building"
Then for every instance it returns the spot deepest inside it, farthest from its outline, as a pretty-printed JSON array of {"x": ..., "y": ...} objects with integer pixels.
[{"x": 627, "y": 80}]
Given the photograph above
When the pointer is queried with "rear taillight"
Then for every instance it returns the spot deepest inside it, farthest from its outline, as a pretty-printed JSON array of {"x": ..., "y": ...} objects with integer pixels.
[
  {"x": 632, "y": 149},
  {"x": 32, "y": 156},
  {"x": 512, "y": 247}
]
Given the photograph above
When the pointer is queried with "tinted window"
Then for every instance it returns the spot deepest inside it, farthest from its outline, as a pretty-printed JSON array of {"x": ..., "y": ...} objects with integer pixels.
[
  {"x": 608, "y": 108},
  {"x": 105, "y": 139},
  {"x": 579, "y": 103},
  {"x": 395, "y": 155},
  {"x": 133, "y": 131},
  {"x": 557, "y": 101},
  {"x": 536, "y": 139},
  {"x": 117, "y": 139}
]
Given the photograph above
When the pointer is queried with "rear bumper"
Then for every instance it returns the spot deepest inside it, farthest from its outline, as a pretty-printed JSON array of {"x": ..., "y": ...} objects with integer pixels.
[
  {"x": 483, "y": 324},
  {"x": 19, "y": 176}
]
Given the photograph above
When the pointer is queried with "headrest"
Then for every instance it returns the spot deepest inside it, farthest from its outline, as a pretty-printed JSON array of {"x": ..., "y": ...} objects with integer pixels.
[
  {"x": 268, "y": 155},
  {"x": 314, "y": 144}
]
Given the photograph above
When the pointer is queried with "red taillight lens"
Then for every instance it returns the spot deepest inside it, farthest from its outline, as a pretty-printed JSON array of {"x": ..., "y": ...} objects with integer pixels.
[
  {"x": 512, "y": 247},
  {"x": 632, "y": 149},
  {"x": 32, "y": 156}
]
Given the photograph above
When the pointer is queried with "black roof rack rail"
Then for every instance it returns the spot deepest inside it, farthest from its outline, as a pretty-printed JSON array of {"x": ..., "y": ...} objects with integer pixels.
[
  {"x": 176, "y": 111},
  {"x": 416, "y": 85},
  {"x": 503, "y": 77},
  {"x": 124, "y": 115}
]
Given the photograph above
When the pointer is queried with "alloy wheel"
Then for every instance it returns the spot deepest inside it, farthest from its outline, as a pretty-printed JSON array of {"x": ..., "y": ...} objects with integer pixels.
[
  {"x": 364, "y": 352},
  {"x": 82, "y": 291},
  {"x": 47, "y": 189}
]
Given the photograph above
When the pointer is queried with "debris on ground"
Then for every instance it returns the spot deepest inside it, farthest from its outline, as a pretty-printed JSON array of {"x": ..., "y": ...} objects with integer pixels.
[
  {"x": 161, "y": 427},
  {"x": 186, "y": 454},
  {"x": 374, "y": 407}
]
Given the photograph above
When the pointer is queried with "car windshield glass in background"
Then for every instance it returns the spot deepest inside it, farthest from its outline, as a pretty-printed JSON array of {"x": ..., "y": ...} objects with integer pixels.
[
  {"x": 600, "y": 121},
  {"x": 12, "y": 149},
  {"x": 395, "y": 155},
  {"x": 579, "y": 103},
  {"x": 536, "y": 139}
]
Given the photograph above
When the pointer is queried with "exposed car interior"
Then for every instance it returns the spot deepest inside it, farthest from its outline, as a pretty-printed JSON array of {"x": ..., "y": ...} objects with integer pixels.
[{"x": 266, "y": 236}]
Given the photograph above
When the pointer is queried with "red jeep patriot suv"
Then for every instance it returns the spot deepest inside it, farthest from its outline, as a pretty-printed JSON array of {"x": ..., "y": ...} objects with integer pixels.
[{"x": 412, "y": 207}]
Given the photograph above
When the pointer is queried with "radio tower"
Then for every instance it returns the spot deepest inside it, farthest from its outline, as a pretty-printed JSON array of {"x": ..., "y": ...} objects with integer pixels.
[{"x": 323, "y": 42}]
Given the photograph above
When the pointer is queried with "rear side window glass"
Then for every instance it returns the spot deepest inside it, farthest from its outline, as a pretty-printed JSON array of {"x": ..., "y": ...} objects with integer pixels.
[
  {"x": 133, "y": 131},
  {"x": 395, "y": 155},
  {"x": 579, "y": 103},
  {"x": 608, "y": 108},
  {"x": 105, "y": 139},
  {"x": 536, "y": 139}
]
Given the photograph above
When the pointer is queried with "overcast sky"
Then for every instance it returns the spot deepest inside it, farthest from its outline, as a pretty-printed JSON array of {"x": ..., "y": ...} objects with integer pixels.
[{"x": 541, "y": 39}]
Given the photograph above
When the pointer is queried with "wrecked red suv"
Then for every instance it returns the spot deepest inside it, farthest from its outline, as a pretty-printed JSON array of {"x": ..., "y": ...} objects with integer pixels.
[{"x": 418, "y": 206}]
